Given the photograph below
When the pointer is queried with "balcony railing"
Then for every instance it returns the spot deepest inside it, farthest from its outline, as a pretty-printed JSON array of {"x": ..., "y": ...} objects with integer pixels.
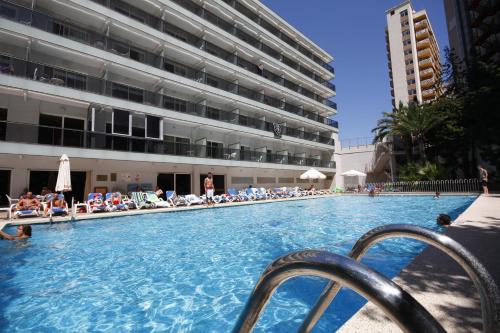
[
  {"x": 49, "y": 24},
  {"x": 277, "y": 32},
  {"x": 62, "y": 77},
  {"x": 156, "y": 23},
  {"x": 64, "y": 137}
]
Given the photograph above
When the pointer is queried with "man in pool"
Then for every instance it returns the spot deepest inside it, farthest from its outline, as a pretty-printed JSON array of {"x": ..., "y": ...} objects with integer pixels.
[
  {"x": 444, "y": 220},
  {"x": 23, "y": 232},
  {"x": 209, "y": 189}
]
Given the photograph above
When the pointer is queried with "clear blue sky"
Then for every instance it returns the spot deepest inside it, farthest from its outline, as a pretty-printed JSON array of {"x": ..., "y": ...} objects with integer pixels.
[{"x": 353, "y": 32}]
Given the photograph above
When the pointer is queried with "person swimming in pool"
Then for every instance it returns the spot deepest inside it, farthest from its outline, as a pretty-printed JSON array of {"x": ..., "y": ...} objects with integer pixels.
[
  {"x": 444, "y": 220},
  {"x": 23, "y": 232}
]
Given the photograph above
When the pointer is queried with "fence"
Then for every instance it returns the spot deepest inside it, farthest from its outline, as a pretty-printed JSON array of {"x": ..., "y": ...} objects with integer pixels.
[
  {"x": 450, "y": 185},
  {"x": 356, "y": 142}
]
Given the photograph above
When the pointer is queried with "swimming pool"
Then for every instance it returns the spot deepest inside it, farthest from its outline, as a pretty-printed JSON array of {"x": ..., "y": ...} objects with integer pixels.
[{"x": 192, "y": 271}]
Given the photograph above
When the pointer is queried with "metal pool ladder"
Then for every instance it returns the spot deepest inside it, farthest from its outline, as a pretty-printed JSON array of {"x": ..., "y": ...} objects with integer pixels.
[{"x": 397, "y": 304}]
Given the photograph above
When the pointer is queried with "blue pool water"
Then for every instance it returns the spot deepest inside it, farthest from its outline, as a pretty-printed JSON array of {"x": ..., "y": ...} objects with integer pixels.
[{"x": 193, "y": 271}]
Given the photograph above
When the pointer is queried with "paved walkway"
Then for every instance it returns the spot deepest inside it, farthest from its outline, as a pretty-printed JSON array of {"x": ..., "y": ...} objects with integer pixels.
[{"x": 438, "y": 283}]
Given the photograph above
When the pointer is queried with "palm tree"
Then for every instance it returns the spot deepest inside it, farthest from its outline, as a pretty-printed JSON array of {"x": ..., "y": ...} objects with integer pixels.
[{"x": 411, "y": 123}]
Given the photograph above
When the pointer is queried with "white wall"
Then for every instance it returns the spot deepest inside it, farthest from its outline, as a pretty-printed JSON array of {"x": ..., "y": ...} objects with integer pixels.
[{"x": 354, "y": 158}]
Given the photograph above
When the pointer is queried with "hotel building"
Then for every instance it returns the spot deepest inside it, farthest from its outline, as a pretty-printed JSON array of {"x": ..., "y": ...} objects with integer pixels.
[
  {"x": 140, "y": 93},
  {"x": 474, "y": 29},
  {"x": 413, "y": 55}
]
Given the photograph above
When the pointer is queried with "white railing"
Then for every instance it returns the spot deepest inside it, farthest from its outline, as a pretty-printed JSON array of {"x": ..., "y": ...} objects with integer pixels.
[
  {"x": 356, "y": 142},
  {"x": 443, "y": 186}
]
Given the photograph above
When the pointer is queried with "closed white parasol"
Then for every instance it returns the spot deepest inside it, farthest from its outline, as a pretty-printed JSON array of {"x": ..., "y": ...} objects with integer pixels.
[
  {"x": 63, "y": 183},
  {"x": 312, "y": 174}
]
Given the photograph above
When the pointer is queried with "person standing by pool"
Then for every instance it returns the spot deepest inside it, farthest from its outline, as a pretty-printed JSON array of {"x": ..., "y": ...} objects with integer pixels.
[
  {"x": 483, "y": 175},
  {"x": 23, "y": 232},
  {"x": 209, "y": 189}
]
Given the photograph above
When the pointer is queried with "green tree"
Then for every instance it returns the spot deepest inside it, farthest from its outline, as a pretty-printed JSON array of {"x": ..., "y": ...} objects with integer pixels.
[{"x": 411, "y": 123}]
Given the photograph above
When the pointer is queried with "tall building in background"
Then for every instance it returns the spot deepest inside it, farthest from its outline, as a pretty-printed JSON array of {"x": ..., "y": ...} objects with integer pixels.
[
  {"x": 142, "y": 93},
  {"x": 413, "y": 54},
  {"x": 474, "y": 28}
]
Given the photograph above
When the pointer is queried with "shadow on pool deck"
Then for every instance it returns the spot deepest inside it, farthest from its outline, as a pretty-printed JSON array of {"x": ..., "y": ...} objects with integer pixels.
[{"x": 439, "y": 283}]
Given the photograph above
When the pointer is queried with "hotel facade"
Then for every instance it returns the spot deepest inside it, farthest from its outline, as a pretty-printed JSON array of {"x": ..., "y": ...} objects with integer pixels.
[
  {"x": 413, "y": 55},
  {"x": 474, "y": 29},
  {"x": 160, "y": 92}
]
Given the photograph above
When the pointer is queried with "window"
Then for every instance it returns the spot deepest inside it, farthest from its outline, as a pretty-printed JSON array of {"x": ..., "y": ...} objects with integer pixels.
[
  {"x": 214, "y": 149},
  {"x": 404, "y": 13},
  {"x": 408, "y": 62},
  {"x": 408, "y": 52},
  {"x": 7, "y": 11},
  {"x": 410, "y": 71},
  {"x": 405, "y": 23},
  {"x": 406, "y": 33},
  {"x": 212, "y": 113},
  {"x": 407, "y": 42},
  {"x": 121, "y": 122},
  {"x": 50, "y": 129},
  {"x": 153, "y": 127},
  {"x": 3, "y": 123},
  {"x": 412, "y": 91},
  {"x": 412, "y": 81},
  {"x": 174, "y": 104}
]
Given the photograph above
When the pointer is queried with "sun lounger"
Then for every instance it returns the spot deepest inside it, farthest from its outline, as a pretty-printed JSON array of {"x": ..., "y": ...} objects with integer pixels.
[
  {"x": 115, "y": 201},
  {"x": 27, "y": 208},
  {"x": 294, "y": 192},
  {"x": 158, "y": 202},
  {"x": 141, "y": 200},
  {"x": 193, "y": 199},
  {"x": 54, "y": 211},
  {"x": 96, "y": 204},
  {"x": 250, "y": 194},
  {"x": 223, "y": 198},
  {"x": 234, "y": 195},
  {"x": 262, "y": 191},
  {"x": 175, "y": 199}
]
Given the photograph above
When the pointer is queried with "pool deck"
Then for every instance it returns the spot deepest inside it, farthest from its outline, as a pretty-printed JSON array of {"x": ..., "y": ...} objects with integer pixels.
[
  {"x": 85, "y": 216},
  {"x": 438, "y": 283}
]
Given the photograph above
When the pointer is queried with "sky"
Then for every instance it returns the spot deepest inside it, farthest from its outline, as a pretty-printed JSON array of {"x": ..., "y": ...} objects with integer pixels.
[{"x": 352, "y": 31}]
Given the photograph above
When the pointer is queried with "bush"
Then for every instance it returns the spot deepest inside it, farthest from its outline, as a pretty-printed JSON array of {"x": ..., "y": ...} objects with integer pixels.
[{"x": 419, "y": 172}]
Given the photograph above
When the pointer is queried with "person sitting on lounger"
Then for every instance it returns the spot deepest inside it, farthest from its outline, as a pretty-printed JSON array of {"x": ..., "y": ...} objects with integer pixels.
[
  {"x": 28, "y": 202},
  {"x": 158, "y": 191},
  {"x": 311, "y": 189},
  {"x": 58, "y": 203},
  {"x": 23, "y": 232}
]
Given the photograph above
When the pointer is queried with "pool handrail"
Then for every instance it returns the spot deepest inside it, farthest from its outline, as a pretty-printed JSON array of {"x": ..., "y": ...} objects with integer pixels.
[
  {"x": 400, "y": 306},
  {"x": 484, "y": 283}
]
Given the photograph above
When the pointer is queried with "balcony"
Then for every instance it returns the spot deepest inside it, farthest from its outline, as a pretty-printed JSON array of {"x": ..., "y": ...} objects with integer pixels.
[
  {"x": 63, "y": 137},
  {"x": 425, "y": 53},
  {"x": 214, "y": 19},
  {"x": 426, "y": 73},
  {"x": 426, "y": 63},
  {"x": 67, "y": 30},
  {"x": 421, "y": 34},
  {"x": 428, "y": 94},
  {"x": 427, "y": 83},
  {"x": 423, "y": 44},
  {"x": 421, "y": 25},
  {"x": 64, "y": 78},
  {"x": 275, "y": 31}
]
